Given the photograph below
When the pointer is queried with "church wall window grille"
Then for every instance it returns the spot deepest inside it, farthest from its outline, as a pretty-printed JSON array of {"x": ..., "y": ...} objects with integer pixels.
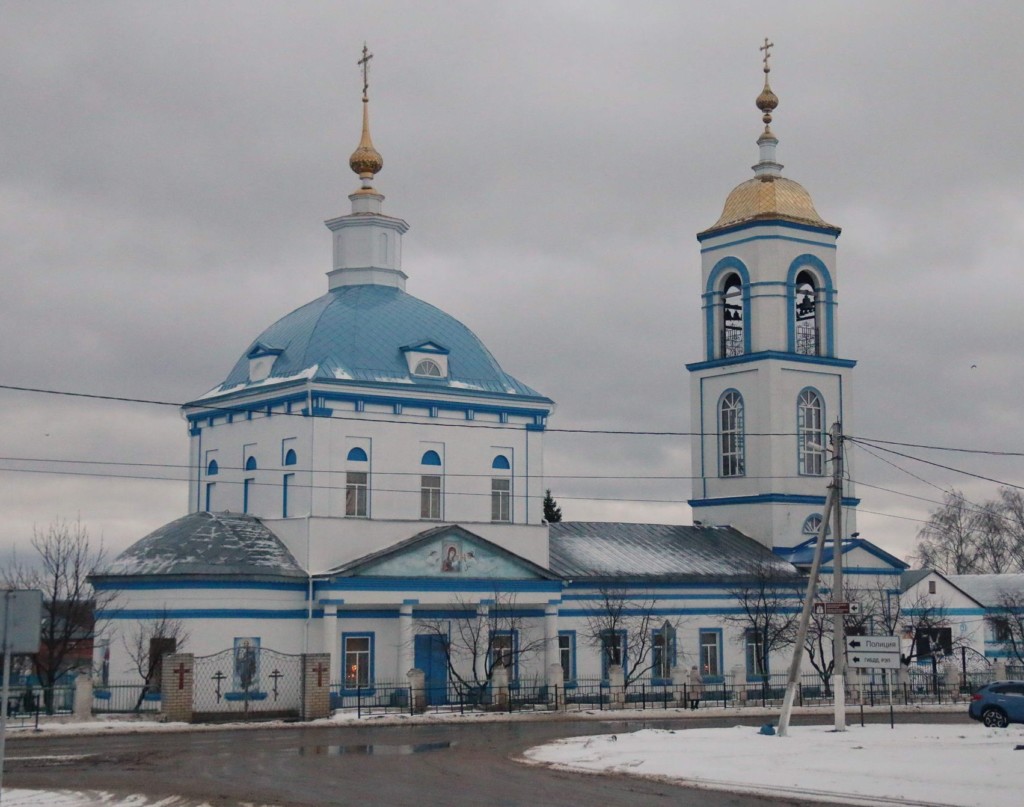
[
  {"x": 501, "y": 499},
  {"x": 356, "y": 493},
  {"x": 756, "y": 662},
  {"x": 428, "y": 368},
  {"x": 810, "y": 431},
  {"x": 812, "y": 524},
  {"x": 567, "y": 654},
  {"x": 733, "y": 322},
  {"x": 358, "y": 651},
  {"x": 710, "y": 640},
  {"x": 731, "y": 443},
  {"x": 807, "y": 338},
  {"x": 287, "y": 482},
  {"x": 430, "y": 497}
]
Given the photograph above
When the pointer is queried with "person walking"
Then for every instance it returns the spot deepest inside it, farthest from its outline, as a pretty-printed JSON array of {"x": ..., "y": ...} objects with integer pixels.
[{"x": 696, "y": 688}]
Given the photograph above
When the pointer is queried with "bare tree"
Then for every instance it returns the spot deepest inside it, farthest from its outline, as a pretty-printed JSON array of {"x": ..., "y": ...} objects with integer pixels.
[
  {"x": 147, "y": 643},
  {"x": 627, "y": 633},
  {"x": 818, "y": 642},
  {"x": 964, "y": 538},
  {"x": 65, "y": 559},
  {"x": 768, "y": 597},
  {"x": 1007, "y": 622},
  {"x": 488, "y": 636}
]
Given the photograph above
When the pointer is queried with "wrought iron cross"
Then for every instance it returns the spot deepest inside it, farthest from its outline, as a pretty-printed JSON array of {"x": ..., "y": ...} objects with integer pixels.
[
  {"x": 365, "y": 64},
  {"x": 218, "y": 677},
  {"x": 276, "y": 675},
  {"x": 766, "y": 47}
]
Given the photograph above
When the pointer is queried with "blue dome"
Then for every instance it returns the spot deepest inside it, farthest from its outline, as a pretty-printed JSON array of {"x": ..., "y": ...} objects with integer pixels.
[{"x": 357, "y": 333}]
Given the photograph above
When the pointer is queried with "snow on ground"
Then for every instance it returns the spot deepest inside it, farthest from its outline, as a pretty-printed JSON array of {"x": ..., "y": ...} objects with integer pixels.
[
  {"x": 15, "y": 797},
  {"x": 910, "y": 764}
]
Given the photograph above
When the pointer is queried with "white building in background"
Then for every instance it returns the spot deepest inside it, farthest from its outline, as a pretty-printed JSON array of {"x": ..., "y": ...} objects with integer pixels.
[{"x": 367, "y": 480}]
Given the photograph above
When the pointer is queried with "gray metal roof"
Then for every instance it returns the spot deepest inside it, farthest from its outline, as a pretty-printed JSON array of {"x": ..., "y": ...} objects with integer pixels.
[
  {"x": 988, "y": 588},
  {"x": 208, "y": 544},
  {"x": 584, "y": 549},
  {"x": 911, "y": 578}
]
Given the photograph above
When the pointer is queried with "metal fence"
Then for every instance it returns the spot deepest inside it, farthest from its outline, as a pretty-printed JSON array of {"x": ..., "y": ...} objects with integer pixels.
[
  {"x": 124, "y": 698},
  {"x": 30, "y": 702},
  {"x": 594, "y": 694}
]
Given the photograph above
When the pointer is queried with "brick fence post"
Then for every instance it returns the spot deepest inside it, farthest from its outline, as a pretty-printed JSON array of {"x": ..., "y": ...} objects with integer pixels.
[
  {"x": 177, "y": 687},
  {"x": 316, "y": 686}
]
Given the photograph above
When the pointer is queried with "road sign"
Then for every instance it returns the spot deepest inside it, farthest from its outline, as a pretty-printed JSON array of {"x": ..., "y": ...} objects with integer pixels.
[
  {"x": 20, "y": 627},
  {"x": 837, "y": 607},
  {"x": 884, "y": 661},
  {"x": 873, "y": 644}
]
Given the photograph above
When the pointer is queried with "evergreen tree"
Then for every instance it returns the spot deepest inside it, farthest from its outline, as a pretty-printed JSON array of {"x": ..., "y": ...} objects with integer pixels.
[{"x": 552, "y": 512}]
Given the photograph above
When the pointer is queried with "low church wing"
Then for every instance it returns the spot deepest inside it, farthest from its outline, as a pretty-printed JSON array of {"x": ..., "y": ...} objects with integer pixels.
[{"x": 450, "y": 552}]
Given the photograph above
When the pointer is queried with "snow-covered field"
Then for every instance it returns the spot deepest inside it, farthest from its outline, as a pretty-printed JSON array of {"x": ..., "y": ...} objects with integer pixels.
[
  {"x": 874, "y": 765},
  {"x": 68, "y": 798}
]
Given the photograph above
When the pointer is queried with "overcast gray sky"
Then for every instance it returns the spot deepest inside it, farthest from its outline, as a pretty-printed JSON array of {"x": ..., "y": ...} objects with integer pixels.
[{"x": 165, "y": 169}]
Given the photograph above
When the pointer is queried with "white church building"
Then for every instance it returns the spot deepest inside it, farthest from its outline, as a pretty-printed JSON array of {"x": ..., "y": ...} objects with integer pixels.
[{"x": 367, "y": 481}]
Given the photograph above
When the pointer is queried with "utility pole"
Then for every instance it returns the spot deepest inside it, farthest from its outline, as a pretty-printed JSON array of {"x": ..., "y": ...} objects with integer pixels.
[{"x": 838, "y": 619}]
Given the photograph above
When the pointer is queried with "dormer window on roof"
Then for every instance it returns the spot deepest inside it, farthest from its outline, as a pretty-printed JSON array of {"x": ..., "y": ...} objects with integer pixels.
[
  {"x": 261, "y": 361},
  {"x": 427, "y": 359}
]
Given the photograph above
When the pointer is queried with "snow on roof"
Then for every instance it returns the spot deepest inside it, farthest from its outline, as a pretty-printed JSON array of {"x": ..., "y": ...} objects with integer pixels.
[
  {"x": 988, "y": 588},
  {"x": 208, "y": 544},
  {"x": 581, "y": 549}
]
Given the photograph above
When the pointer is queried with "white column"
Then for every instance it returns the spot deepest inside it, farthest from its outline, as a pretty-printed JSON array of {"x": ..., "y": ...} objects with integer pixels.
[
  {"x": 405, "y": 642},
  {"x": 331, "y": 639},
  {"x": 551, "y": 658}
]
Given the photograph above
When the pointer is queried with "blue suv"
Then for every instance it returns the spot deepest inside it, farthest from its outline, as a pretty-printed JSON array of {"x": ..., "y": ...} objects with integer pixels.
[{"x": 998, "y": 704}]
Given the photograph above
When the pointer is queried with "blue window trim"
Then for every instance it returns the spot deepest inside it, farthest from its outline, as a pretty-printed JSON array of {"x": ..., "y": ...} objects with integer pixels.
[
  {"x": 514, "y": 633},
  {"x": 246, "y": 485},
  {"x": 209, "y": 494},
  {"x": 357, "y": 454},
  {"x": 742, "y": 433},
  {"x": 800, "y": 432},
  {"x": 571, "y": 681},
  {"x": 431, "y": 458},
  {"x": 707, "y": 678},
  {"x": 286, "y": 481},
  {"x": 827, "y": 303},
  {"x": 624, "y": 644},
  {"x": 291, "y": 458},
  {"x": 213, "y": 468},
  {"x": 250, "y": 464},
  {"x": 371, "y": 635},
  {"x": 501, "y": 463},
  {"x": 713, "y": 300}
]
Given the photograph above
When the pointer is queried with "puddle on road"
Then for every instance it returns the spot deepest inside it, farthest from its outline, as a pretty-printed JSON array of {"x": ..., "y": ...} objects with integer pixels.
[{"x": 375, "y": 749}]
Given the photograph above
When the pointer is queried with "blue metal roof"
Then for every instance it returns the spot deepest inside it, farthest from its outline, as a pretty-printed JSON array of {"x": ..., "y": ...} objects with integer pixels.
[{"x": 356, "y": 333}]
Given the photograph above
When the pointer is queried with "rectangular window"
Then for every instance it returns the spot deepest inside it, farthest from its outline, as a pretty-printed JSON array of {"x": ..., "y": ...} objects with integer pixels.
[
  {"x": 567, "y": 654},
  {"x": 756, "y": 666},
  {"x": 356, "y": 488},
  {"x": 613, "y": 650},
  {"x": 1000, "y": 629},
  {"x": 246, "y": 491},
  {"x": 710, "y": 644},
  {"x": 501, "y": 499},
  {"x": 931, "y": 586},
  {"x": 430, "y": 497},
  {"x": 661, "y": 655},
  {"x": 209, "y": 496},
  {"x": 286, "y": 484},
  {"x": 358, "y": 650},
  {"x": 503, "y": 650}
]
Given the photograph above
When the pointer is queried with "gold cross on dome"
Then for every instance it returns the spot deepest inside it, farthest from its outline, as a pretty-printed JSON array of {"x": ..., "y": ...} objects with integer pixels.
[
  {"x": 365, "y": 64},
  {"x": 766, "y": 47}
]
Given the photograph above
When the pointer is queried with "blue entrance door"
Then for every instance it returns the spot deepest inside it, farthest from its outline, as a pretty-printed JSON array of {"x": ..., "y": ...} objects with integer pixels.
[{"x": 431, "y": 658}]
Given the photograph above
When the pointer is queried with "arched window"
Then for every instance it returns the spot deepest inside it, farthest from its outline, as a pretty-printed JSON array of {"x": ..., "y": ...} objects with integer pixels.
[
  {"x": 732, "y": 317},
  {"x": 810, "y": 433},
  {"x": 731, "y": 449},
  {"x": 290, "y": 458},
  {"x": 356, "y": 455},
  {"x": 501, "y": 463},
  {"x": 806, "y": 340},
  {"x": 212, "y": 469},
  {"x": 431, "y": 458},
  {"x": 427, "y": 367},
  {"x": 812, "y": 524},
  {"x": 250, "y": 464}
]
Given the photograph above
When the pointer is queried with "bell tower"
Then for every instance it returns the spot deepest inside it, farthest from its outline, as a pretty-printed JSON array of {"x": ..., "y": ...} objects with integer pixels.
[{"x": 770, "y": 382}]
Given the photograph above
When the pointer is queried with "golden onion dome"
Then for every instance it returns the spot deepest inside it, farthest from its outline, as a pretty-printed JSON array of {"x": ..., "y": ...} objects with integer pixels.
[
  {"x": 366, "y": 160},
  {"x": 769, "y": 197}
]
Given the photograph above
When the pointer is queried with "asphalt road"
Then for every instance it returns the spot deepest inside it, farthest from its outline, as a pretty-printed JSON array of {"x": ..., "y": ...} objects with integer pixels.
[{"x": 447, "y": 765}]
